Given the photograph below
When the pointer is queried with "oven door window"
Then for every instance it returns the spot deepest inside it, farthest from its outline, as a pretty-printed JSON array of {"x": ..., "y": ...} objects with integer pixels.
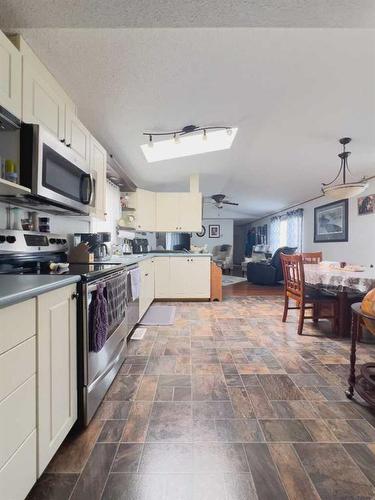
[{"x": 62, "y": 177}]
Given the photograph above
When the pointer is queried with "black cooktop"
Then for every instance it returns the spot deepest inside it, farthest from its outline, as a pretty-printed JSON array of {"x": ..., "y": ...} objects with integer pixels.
[
  {"x": 90, "y": 271},
  {"x": 40, "y": 264}
]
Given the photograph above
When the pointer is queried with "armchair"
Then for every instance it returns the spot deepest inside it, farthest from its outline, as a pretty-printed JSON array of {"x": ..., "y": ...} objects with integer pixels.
[
  {"x": 270, "y": 272},
  {"x": 222, "y": 255}
]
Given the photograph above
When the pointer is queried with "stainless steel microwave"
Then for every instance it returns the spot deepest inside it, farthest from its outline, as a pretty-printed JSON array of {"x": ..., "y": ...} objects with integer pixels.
[{"x": 59, "y": 180}]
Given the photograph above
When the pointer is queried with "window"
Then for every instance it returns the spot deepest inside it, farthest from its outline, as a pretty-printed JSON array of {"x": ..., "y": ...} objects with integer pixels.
[{"x": 287, "y": 230}]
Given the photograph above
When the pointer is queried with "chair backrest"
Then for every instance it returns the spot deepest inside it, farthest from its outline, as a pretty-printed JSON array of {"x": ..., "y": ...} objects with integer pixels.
[
  {"x": 276, "y": 261},
  {"x": 294, "y": 275},
  {"x": 215, "y": 251},
  {"x": 312, "y": 257}
]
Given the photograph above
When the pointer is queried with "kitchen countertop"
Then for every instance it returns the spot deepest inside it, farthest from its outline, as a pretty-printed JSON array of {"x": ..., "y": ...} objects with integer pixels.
[
  {"x": 128, "y": 260},
  {"x": 16, "y": 288}
]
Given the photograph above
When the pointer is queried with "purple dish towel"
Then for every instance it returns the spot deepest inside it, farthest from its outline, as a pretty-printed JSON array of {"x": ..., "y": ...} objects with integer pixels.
[{"x": 100, "y": 326}]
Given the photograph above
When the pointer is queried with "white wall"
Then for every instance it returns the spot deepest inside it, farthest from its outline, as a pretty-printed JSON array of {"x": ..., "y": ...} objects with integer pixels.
[
  {"x": 226, "y": 234},
  {"x": 360, "y": 247}
]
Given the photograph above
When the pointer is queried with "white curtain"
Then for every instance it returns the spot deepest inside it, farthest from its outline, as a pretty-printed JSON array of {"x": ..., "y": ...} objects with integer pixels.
[
  {"x": 287, "y": 230},
  {"x": 275, "y": 233},
  {"x": 295, "y": 229}
]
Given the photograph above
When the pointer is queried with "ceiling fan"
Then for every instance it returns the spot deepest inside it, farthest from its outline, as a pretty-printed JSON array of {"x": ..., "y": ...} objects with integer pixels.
[{"x": 219, "y": 200}]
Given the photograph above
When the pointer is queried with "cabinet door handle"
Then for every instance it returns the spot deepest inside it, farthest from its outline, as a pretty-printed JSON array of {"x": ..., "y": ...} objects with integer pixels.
[
  {"x": 68, "y": 145},
  {"x": 62, "y": 140},
  {"x": 75, "y": 295},
  {"x": 146, "y": 274}
]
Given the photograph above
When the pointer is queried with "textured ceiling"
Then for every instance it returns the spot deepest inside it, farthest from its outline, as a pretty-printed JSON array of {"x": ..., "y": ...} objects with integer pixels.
[
  {"x": 291, "y": 92},
  {"x": 191, "y": 13}
]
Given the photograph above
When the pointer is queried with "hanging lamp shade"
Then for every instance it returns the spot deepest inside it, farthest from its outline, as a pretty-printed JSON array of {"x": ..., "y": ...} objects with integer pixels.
[{"x": 344, "y": 189}]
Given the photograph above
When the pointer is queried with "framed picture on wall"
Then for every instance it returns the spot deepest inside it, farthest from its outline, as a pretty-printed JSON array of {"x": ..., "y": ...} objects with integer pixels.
[
  {"x": 214, "y": 231},
  {"x": 331, "y": 222},
  {"x": 366, "y": 204}
]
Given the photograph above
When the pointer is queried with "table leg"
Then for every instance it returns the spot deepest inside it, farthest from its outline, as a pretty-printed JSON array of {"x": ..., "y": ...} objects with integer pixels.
[
  {"x": 344, "y": 315},
  {"x": 351, "y": 380}
]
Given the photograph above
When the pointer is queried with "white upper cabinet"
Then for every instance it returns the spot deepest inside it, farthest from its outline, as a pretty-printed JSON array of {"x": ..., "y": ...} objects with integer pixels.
[
  {"x": 43, "y": 100},
  {"x": 167, "y": 212},
  {"x": 144, "y": 202},
  {"x": 10, "y": 76},
  {"x": 77, "y": 137},
  {"x": 179, "y": 212},
  {"x": 190, "y": 212},
  {"x": 98, "y": 167}
]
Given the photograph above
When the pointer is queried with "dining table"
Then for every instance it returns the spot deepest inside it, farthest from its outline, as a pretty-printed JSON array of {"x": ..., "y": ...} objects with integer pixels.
[{"x": 349, "y": 286}]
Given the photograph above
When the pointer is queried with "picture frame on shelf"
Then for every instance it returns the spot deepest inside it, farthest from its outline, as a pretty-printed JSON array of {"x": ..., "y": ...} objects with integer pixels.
[
  {"x": 214, "y": 231},
  {"x": 331, "y": 222}
]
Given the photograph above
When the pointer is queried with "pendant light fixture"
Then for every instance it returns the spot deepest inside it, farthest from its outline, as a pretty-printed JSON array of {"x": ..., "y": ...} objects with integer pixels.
[{"x": 344, "y": 189}]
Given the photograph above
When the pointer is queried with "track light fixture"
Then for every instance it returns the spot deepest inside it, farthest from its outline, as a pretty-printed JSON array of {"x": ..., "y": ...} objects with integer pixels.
[
  {"x": 190, "y": 140},
  {"x": 189, "y": 129}
]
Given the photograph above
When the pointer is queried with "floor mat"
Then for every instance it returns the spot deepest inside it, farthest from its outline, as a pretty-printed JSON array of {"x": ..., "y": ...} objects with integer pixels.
[
  {"x": 231, "y": 280},
  {"x": 159, "y": 316},
  {"x": 139, "y": 333}
]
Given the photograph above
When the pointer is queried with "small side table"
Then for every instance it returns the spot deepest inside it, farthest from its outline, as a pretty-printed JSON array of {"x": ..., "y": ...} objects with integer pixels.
[{"x": 364, "y": 383}]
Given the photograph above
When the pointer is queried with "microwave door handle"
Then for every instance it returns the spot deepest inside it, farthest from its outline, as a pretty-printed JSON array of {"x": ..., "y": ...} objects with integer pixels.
[{"x": 86, "y": 197}]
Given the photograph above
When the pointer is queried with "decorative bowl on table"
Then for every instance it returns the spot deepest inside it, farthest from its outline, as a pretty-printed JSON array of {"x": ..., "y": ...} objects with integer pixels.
[{"x": 368, "y": 308}]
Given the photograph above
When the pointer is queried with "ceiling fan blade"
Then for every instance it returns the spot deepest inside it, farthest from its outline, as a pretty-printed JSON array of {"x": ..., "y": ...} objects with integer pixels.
[{"x": 230, "y": 203}]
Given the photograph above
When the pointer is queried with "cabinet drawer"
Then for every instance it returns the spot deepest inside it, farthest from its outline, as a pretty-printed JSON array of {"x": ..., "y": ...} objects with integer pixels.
[
  {"x": 17, "y": 418},
  {"x": 19, "y": 474},
  {"x": 18, "y": 323},
  {"x": 16, "y": 366}
]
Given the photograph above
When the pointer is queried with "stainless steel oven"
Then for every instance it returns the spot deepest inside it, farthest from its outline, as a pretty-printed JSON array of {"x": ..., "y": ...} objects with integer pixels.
[
  {"x": 98, "y": 369},
  {"x": 55, "y": 175}
]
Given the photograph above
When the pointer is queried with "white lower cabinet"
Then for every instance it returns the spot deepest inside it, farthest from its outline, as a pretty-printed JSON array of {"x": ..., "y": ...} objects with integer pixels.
[
  {"x": 147, "y": 294},
  {"x": 162, "y": 278},
  {"x": 38, "y": 386},
  {"x": 18, "y": 454},
  {"x": 18, "y": 475},
  {"x": 182, "y": 277},
  {"x": 57, "y": 370}
]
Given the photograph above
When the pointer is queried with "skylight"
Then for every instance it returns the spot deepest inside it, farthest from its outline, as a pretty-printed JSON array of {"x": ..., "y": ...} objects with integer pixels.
[{"x": 189, "y": 145}]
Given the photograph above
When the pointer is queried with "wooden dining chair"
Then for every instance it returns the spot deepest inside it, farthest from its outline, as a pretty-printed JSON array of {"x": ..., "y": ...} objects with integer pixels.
[
  {"x": 305, "y": 298},
  {"x": 312, "y": 257}
]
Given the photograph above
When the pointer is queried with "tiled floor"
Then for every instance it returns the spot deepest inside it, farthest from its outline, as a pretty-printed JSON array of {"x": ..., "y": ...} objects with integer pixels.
[{"x": 229, "y": 403}]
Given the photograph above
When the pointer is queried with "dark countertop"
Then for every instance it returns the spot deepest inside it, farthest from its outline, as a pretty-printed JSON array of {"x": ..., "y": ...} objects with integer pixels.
[{"x": 16, "y": 288}]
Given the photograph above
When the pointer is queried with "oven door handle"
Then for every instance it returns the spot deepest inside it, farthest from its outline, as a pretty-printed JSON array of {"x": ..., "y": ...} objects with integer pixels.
[
  {"x": 110, "y": 365},
  {"x": 86, "y": 198}
]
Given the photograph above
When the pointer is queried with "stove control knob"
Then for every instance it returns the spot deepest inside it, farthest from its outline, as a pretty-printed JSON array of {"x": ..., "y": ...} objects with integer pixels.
[
  {"x": 11, "y": 239},
  {"x": 58, "y": 241},
  {"x": 63, "y": 241},
  {"x": 52, "y": 241},
  {"x": 2, "y": 238}
]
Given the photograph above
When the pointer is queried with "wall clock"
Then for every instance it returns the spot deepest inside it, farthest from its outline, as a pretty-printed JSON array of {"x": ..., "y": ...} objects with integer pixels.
[{"x": 201, "y": 233}]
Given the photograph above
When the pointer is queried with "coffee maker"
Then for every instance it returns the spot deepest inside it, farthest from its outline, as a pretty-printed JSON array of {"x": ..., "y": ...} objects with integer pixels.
[
  {"x": 98, "y": 243},
  {"x": 140, "y": 245}
]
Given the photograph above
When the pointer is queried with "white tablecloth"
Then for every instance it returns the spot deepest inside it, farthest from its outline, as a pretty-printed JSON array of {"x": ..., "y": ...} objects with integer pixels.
[{"x": 363, "y": 281}]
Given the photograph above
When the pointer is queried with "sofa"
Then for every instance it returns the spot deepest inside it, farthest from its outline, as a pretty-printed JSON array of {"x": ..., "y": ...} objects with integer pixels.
[
  {"x": 269, "y": 272},
  {"x": 222, "y": 255}
]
